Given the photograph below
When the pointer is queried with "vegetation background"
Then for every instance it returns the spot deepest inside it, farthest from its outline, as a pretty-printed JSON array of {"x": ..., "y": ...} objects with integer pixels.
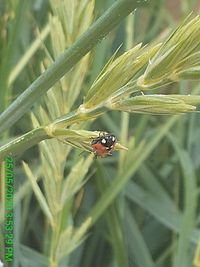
[{"x": 67, "y": 210}]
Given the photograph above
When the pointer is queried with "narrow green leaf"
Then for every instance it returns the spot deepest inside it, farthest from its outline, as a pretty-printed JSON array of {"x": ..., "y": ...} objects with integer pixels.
[
  {"x": 32, "y": 258},
  {"x": 190, "y": 204},
  {"x": 40, "y": 197},
  {"x": 75, "y": 179},
  {"x": 140, "y": 250},
  {"x": 114, "y": 221},
  {"x": 71, "y": 238},
  {"x": 168, "y": 216},
  {"x": 24, "y": 60}
]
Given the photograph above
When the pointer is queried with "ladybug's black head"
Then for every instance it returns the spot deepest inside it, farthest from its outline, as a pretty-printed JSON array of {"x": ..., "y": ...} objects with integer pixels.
[{"x": 108, "y": 140}]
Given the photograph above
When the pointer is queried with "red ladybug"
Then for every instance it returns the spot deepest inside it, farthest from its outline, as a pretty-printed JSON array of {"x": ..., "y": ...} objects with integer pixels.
[{"x": 104, "y": 144}]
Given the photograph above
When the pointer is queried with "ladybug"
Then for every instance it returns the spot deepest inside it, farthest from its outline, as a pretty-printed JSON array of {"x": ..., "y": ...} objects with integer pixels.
[{"x": 104, "y": 144}]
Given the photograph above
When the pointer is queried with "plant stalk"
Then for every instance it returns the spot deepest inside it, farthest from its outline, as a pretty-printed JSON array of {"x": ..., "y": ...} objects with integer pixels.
[
  {"x": 67, "y": 60},
  {"x": 22, "y": 143}
]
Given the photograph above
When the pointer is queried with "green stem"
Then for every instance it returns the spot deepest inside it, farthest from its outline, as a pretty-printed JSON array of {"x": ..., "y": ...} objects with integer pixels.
[
  {"x": 8, "y": 52},
  {"x": 24, "y": 60},
  {"x": 22, "y": 143},
  {"x": 67, "y": 60}
]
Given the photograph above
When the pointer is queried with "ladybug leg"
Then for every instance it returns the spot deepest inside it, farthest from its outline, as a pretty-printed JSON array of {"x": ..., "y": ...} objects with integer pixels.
[{"x": 95, "y": 154}]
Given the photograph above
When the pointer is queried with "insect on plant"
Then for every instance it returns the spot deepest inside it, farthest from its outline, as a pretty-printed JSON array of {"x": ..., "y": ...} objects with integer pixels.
[{"x": 104, "y": 144}]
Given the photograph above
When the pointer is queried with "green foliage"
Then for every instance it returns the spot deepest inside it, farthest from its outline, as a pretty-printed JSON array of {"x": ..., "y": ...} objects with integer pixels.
[
  {"x": 139, "y": 207},
  {"x": 156, "y": 104},
  {"x": 176, "y": 55}
]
